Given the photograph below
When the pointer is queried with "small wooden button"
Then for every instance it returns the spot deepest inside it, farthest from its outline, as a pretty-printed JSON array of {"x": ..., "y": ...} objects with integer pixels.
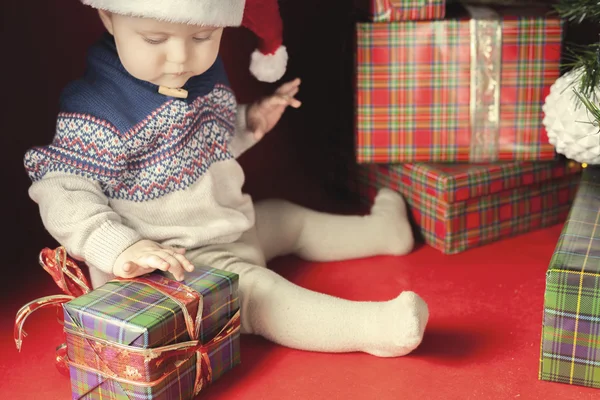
[{"x": 173, "y": 92}]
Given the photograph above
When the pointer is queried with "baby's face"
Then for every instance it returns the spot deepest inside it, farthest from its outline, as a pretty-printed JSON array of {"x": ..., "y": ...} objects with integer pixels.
[{"x": 163, "y": 53}]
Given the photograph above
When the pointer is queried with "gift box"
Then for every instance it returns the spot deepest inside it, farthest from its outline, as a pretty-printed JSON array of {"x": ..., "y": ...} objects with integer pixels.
[
  {"x": 152, "y": 337},
  {"x": 148, "y": 337},
  {"x": 570, "y": 345},
  {"x": 469, "y": 88},
  {"x": 460, "y": 206},
  {"x": 401, "y": 10}
]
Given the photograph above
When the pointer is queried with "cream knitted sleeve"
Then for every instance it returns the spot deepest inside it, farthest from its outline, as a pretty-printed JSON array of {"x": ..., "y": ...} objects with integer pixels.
[
  {"x": 242, "y": 139},
  {"x": 76, "y": 213},
  {"x": 86, "y": 158}
]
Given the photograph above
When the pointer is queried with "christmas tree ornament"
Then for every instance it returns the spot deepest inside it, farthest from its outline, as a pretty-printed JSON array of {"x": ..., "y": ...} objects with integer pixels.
[{"x": 571, "y": 127}]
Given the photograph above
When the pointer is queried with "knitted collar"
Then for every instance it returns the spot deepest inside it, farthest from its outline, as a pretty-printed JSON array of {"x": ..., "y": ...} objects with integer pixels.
[{"x": 103, "y": 56}]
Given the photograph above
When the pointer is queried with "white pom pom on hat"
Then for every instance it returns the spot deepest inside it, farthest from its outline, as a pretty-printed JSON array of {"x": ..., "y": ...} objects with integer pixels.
[{"x": 269, "y": 60}]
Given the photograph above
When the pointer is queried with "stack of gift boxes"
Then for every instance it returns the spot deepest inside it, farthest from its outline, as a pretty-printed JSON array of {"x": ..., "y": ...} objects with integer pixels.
[{"x": 448, "y": 112}]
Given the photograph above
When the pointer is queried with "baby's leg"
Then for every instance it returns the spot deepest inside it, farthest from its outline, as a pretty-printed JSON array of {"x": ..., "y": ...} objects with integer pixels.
[
  {"x": 285, "y": 228},
  {"x": 295, "y": 317}
]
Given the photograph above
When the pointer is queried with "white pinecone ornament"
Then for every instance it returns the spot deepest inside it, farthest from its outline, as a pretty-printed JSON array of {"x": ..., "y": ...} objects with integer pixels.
[{"x": 571, "y": 128}]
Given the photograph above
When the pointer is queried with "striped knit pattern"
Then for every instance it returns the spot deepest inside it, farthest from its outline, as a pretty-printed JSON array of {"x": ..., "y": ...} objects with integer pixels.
[
  {"x": 146, "y": 162},
  {"x": 458, "y": 207},
  {"x": 402, "y": 10},
  {"x": 134, "y": 314},
  {"x": 570, "y": 346},
  {"x": 413, "y": 89}
]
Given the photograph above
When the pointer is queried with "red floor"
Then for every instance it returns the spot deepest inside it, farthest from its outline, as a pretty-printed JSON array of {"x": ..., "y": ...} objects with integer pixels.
[{"x": 482, "y": 341}]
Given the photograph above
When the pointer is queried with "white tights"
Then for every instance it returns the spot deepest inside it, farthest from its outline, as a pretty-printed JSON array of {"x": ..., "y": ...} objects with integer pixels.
[{"x": 295, "y": 317}]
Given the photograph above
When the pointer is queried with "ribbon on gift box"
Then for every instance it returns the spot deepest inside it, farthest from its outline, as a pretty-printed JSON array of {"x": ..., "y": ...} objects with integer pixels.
[
  {"x": 71, "y": 280},
  {"x": 381, "y": 10},
  {"x": 69, "y": 277},
  {"x": 486, "y": 61}
]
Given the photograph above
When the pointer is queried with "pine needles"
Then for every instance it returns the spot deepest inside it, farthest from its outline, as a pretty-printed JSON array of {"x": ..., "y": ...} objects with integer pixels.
[
  {"x": 579, "y": 10},
  {"x": 584, "y": 58}
]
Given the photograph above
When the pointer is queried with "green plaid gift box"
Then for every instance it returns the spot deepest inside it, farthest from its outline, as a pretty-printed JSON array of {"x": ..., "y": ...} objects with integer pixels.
[
  {"x": 103, "y": 325},
  {"x": 401, "y": 10},
  {"x": 460, "y": 206},
  {"x": 469, "y": 88},
  {"x": 570, "y": 345}
]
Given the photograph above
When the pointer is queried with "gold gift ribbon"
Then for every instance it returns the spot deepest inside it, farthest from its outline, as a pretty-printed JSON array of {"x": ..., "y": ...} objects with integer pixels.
[
  {"x": 486, "y": 63},
  {"x": 203, "y": 365}
]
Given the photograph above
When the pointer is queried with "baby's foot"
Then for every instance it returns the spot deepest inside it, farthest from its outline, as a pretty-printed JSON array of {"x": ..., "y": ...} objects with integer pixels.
[
  {"x": 389, "y": 209},
  {"x": 400, "y": 326}
]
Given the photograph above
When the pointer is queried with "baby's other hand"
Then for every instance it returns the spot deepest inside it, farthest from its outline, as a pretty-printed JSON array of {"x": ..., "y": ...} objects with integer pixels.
[
  {"x": 263, "y": 115},
  {"x": 145, "y": 256}
]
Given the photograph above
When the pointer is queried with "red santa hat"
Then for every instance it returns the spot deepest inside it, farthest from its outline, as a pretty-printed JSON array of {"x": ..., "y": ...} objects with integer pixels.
[{"x": 268, "y": 61}]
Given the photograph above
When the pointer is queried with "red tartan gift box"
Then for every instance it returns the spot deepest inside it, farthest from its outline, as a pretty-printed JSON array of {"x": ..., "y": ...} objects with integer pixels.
[
  {"x": 402, "y": 10},
  {"x": 462, "y": 89},
  {"x": 461, "y": 206}
]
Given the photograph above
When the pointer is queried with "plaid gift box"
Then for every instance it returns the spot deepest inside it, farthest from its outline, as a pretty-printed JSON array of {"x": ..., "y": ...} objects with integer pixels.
[
  {"x": 401, "y": 10},
  {"x": 460, "y": 89},
  {"x": 461, "y": 206},
  {"x": 116, "y": 335},
  {"x": 570, "y": 346}
]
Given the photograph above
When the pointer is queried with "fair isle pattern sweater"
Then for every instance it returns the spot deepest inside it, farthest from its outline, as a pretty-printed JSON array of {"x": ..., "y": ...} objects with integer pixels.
[{"x": 128, "y": 163}]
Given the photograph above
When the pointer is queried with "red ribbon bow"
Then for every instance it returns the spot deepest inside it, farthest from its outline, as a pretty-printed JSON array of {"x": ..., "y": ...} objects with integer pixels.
[{"x": 71, "y": 280}]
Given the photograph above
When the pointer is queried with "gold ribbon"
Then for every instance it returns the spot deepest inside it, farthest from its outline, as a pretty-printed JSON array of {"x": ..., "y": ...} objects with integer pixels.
[
  {"x": 67, "y": 276},
  {"x": 25, "y": 311},
  {"x": 180, "y": 352},
  {"x": 381, "y": 11},
  {"x": 486, "y": 63}
]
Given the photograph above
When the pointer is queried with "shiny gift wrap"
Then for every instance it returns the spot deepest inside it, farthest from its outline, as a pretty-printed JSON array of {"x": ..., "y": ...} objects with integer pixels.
[
  {"x": 148, "y": 337},
  {"x": 570, "y": 346},
  {"x": 468, "y": 88},
  {"x": 461, "y": 206},
  {"x": 401, "y": 10}
]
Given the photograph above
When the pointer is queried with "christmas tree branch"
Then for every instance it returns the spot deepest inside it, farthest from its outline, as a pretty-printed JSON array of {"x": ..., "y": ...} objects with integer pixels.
[
  {"x": 579, "y": 10},
  {"x": 587, "y": 60},
  {"x": 592, "y": 107}
]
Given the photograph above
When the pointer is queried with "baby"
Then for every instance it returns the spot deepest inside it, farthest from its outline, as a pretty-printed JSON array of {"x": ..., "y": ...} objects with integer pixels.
[{"x": 142, "y": 175}]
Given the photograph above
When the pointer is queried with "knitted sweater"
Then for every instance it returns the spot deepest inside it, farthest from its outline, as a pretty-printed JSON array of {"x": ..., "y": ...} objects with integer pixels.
[{"x": 127, "y": 163}]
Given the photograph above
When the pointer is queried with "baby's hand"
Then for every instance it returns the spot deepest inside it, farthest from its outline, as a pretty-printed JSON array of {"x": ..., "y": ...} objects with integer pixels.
[
  {"x": 263, "y": 115},
  {"x": 145, "y": 256}
]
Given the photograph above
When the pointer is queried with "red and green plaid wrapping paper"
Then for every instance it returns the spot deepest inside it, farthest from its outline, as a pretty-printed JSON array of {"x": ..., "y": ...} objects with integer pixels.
[
  {"x": 134, "y": 314},
  {"x": 412, "y": 100},
  {"x": 402, "y": 10},
  {"x": 570, "y": 346},
  {"x": 461, "y": 206}
]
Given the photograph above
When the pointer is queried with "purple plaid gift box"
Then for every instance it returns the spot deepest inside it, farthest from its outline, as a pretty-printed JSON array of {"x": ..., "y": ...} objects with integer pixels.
[
  {"x": 152, "y": 337},
  {"x": 570, "y": 346}
]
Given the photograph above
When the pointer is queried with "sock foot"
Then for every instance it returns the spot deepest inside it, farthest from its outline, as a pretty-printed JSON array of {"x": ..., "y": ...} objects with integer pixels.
[
  {"x": 389, "y": 209},
  {"x": 400, "y": 326}
]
